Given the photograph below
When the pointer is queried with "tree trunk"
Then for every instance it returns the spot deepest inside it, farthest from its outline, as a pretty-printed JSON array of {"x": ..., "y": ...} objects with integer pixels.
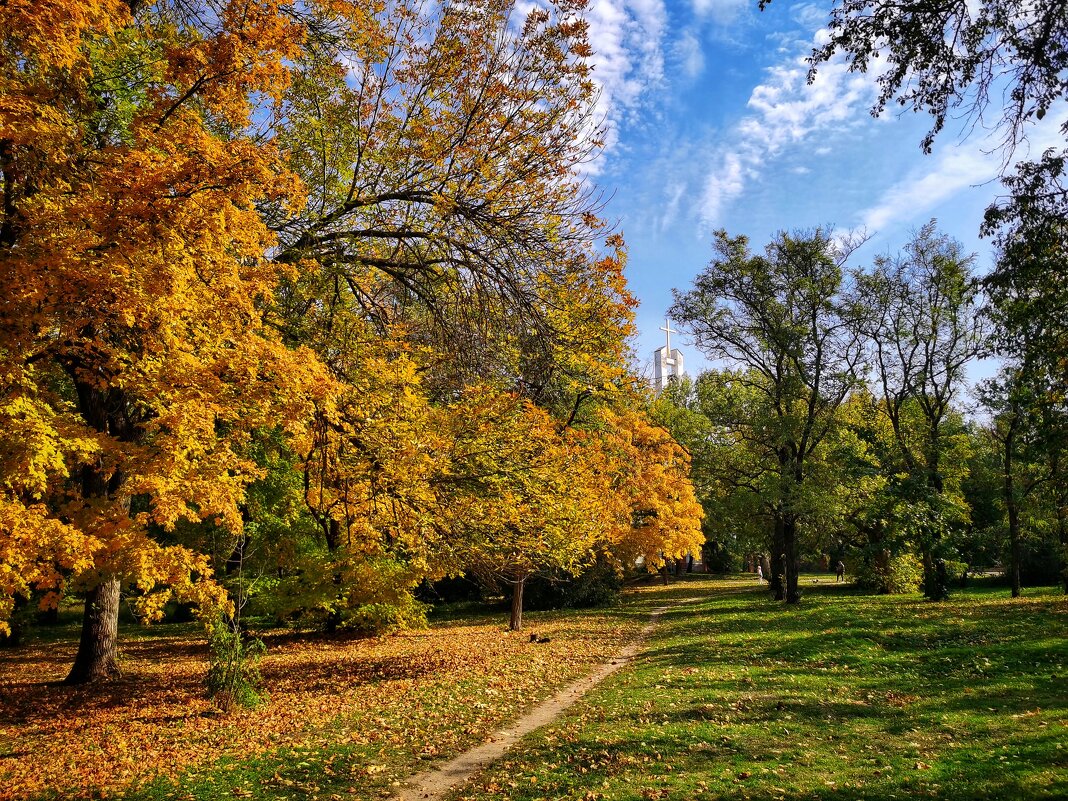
[
  {"x": 516, "y": 622},
  {"x": 1014, "y": 518},
  {"x": 98, "y": 648},
  {"x": 1059, "y": 505},
  {"x": 777, "y": 574},
  {"x": 97, "y": 658},
  {"x": 1062, "y": 530},
  {"x": 790, "y": 563}
]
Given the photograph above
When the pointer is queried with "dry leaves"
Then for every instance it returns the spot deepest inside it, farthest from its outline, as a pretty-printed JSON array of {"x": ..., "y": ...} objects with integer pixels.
[{"x": 428, "y": 693}]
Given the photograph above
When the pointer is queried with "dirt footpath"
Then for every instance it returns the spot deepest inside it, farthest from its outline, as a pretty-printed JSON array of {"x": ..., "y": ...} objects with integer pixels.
[{"x": 436, "y": 782}]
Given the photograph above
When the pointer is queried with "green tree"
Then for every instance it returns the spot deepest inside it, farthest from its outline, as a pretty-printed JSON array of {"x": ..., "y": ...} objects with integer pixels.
[
  {"x": 921, "y": 310},
  {"x": 781, "y": 320}
]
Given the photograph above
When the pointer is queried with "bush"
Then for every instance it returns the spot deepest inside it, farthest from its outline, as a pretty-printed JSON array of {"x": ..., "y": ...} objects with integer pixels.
[
  {"x": 889, "y": 574},
  {"x": 957, "y": 572},
  {"x": 598, "y": 585},
  {"x": 234, "y": 678}
]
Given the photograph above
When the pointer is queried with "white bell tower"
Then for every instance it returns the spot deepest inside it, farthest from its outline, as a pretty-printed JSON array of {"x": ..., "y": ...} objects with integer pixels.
[{"x": 667, "y": 362}]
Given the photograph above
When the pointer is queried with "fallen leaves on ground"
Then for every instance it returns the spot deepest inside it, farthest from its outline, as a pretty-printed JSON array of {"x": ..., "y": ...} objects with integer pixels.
[{"x": 426, "y": 694}]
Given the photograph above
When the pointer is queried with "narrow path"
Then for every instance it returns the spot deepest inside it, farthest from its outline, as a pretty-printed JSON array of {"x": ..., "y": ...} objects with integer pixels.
[{"x": 432, "y": 784}]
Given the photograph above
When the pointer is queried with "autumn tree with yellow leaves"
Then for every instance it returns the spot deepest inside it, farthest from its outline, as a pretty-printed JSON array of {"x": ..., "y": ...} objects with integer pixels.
[
  {"x": 135, "y": 357},
  {"x": 340, "y": 254}
]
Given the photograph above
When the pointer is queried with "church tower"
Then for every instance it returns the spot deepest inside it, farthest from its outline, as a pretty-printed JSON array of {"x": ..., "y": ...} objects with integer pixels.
[{"x": 667, "y": 361}]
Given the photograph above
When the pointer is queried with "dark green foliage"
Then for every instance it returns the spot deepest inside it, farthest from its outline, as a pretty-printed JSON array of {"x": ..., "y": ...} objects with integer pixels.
[
  {"x": 720, "y": 557},
  {"x": 449, "y": 590},
  {"x": 1039, "y": 562},
  {"x": 598, "y": 585}
]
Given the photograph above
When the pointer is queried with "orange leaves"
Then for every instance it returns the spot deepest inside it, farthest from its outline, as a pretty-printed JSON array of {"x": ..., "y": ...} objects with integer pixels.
[
  {"x": 133, "y": 276},
  {"x": 49, "y": 34},
  {"x": 656, "y": 512},
  {"x": 224, "y": 67},
  {"x": 464, "y": 680},
  {"x": 37, "y": 552}
]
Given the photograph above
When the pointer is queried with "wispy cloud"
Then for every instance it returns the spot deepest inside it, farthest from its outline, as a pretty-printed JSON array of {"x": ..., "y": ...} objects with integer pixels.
[
  {"x": 958, "y": 167},
  {"x": 627, "y": 40},
  {"x": 721, "y": 12},
  {"x": 786, "y": 110},
  {"x": 925, "y": 188},
  {"x": 688, "y": 54}
]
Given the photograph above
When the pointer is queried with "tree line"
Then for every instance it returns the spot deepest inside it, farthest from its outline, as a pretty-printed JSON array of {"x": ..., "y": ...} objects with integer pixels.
[{"x": 842, "y": 422}]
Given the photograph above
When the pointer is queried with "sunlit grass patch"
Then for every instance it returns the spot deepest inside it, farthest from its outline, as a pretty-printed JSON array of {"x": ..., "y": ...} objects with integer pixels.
[{"x": 845, "y": 697}]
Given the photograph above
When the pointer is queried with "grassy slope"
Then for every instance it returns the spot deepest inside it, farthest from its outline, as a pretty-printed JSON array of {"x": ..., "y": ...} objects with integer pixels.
[{"x": 846, "y": 697}]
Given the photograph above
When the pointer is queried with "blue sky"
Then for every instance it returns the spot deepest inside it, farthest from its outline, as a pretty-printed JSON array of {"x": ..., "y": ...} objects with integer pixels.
[{"x": 712, "y": 124}]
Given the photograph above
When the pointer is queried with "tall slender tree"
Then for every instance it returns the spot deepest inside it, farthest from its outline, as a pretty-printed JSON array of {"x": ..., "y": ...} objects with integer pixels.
[
  {"x": 780, "y": 317},
  {"x": 922, "y": 315}
]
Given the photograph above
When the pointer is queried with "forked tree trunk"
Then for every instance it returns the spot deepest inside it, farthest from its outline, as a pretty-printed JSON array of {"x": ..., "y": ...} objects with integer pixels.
[
  {"x": 97, "y": 658},
  {"x": 516, "y": 622}
]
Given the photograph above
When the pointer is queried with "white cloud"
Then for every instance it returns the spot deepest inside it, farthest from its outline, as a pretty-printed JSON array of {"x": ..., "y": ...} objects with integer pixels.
[
  {"x": 627, "y": 41},
  {"x": 950, "y": 171},
  {"x": 809, "y": 15},
  {"x": 722, "y": 12},
  {"x": 689, "y": 55},
  {"x": 786, "y": 111},
  {"x": 925, "y": 188},
  {"x": 723, "y": 185}
]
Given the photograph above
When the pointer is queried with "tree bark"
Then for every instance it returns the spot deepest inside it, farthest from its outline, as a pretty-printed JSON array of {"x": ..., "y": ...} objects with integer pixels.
[
  {"x": 97, "y": 658},
  {"x": 1062, "y": 531},
  {"x": 106, "y": 412},
  {"x": 777, "y": 574},
  {"x": 1014, "y": 517},
  {"x": 516, "y": 621},
  {"x": 791, "y": 565}
]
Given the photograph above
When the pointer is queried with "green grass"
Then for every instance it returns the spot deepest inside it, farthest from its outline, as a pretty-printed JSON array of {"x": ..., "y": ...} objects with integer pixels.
[
  {"x": 734, "y": 696},
  {"x": 846, "y": 697}
]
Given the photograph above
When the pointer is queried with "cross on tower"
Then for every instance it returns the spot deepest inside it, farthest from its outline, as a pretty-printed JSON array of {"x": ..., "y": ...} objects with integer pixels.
[{"x": 667, "y": 329}]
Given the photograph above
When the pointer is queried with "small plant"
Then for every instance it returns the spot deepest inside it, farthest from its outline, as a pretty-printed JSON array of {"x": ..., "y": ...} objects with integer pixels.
[{"x": 234, "y": 678}]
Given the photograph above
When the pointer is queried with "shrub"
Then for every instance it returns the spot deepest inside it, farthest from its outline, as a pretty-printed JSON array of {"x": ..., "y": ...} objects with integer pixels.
[
  {"x": 598, "y": 585},
  {"x": 889, "y": 574},
  {"x": 234, "y": 678}
]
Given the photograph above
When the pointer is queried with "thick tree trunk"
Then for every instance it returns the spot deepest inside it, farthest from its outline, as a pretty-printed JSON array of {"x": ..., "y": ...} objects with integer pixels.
[
  {"x": 791, "y": 565},
  {"x": 516, "y": 622},
  {"x": 777, "y": 574},
  {"x": 106, "y": 412},
  {"x": 97, "y": 658},
  {"x": 1014, "y": 521}
]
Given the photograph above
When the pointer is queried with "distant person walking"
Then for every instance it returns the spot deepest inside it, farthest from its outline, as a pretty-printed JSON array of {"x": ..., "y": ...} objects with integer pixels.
[
  {"x": 839, "y": 571},
  {"x": 760, "y": 574}
]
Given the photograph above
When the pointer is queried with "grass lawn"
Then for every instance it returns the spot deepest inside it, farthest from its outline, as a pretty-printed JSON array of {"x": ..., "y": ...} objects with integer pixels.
[{"x": 846, "y": 697}]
